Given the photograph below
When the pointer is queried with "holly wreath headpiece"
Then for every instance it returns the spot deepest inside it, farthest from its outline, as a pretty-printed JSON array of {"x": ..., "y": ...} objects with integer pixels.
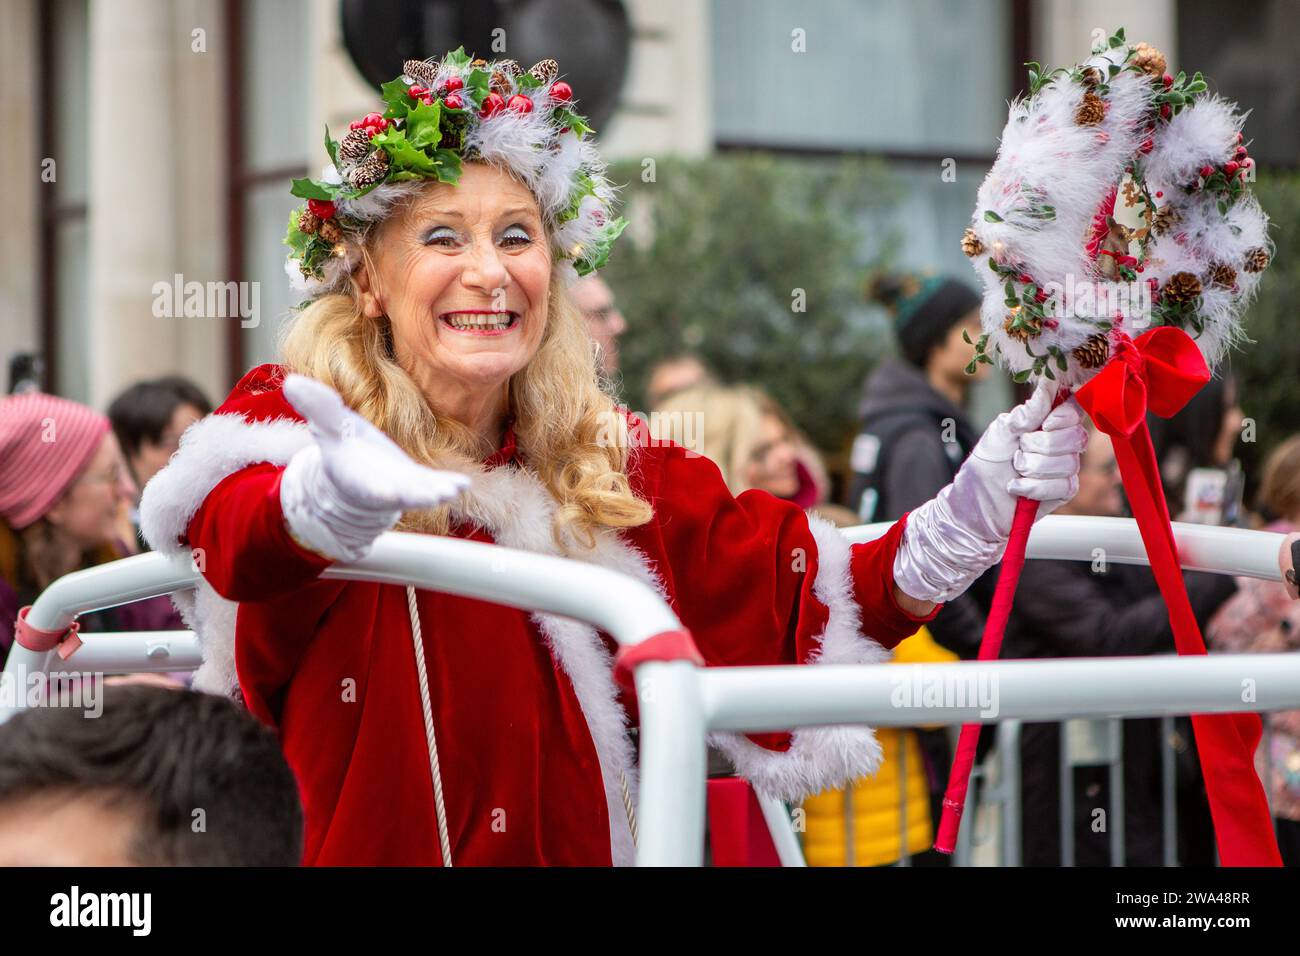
[
  {"x": 440, "y": 114},
  {"x": 1114, "y": 175}
]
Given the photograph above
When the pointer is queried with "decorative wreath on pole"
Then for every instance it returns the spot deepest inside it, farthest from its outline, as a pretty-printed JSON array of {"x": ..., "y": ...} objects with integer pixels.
[{"x": 1119, "y": 244}]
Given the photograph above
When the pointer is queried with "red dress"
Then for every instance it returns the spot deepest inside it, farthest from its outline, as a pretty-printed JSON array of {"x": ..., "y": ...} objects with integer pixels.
[{"x": 530, "y": 726}]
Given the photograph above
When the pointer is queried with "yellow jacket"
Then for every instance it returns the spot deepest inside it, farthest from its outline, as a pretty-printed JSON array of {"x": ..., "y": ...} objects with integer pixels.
[{"x": 861, "y": 826}]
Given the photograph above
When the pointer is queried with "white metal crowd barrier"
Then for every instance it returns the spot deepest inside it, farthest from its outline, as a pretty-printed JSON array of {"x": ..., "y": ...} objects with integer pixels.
[{"x": 680, "y": 703}]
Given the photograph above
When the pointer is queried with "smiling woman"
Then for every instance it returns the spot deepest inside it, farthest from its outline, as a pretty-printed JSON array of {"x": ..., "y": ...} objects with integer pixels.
[
  {"x": 425, "y": 728},
  {"x": 417, "y": 346}
]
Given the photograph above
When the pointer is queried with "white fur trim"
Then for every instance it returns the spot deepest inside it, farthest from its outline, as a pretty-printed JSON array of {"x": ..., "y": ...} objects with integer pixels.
[
  {"x": 819, "y": 758},
  {"x": 210, "y": 450}
]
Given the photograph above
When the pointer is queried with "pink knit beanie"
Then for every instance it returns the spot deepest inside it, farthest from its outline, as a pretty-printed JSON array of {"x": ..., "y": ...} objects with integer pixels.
[{"x": 45, "y": 442}]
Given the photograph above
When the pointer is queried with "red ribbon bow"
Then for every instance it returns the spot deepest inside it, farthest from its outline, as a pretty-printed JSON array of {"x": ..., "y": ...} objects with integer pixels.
[{"x": 1160, "y": 371}]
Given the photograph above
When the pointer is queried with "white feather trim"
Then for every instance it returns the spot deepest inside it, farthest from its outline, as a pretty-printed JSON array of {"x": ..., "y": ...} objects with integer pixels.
[{"x": 1047, "y": 158}]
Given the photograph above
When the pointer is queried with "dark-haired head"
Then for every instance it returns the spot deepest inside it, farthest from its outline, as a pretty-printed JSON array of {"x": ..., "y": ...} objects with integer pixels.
[
  {"x": 160, "y": 778},
  {"x": 925, "y": 310},
  {"x": 149, "y": 417}
]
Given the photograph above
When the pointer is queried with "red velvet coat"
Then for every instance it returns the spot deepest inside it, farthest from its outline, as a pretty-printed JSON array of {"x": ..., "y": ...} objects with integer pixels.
[{"x": 530, "y": 726}]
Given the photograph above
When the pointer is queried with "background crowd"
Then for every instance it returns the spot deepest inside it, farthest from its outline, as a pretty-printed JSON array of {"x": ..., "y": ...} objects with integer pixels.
[{"x": 851, "y": 400}]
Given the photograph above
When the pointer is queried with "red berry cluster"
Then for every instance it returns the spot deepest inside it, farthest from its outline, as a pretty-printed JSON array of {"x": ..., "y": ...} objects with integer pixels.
[
  {"x": 448, "y": 90},
  {"x": 1238, "y": 165},
  {"x": 373, "y": 122},
  {"x": 494, "y": 103}
]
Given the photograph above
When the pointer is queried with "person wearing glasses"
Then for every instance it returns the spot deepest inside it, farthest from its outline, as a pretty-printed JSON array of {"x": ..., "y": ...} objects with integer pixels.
[
  {"x": 64, "y": 486},
  {"x": 605, "y": 323}
]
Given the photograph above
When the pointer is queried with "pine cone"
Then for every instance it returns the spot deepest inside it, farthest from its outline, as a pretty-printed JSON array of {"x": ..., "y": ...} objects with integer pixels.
[
  {"x": 372, "y": 171},
  {"x": 1182, "y": 287},
  {"x": 1224, "y": 275},
  {"x": 308, "y": 222},
  {"x": 1030, "y": 326},
  {"x": 1091, "y": 76},
  {"x": 546, "y": 71},
  {"x": 1166, "y": 218},
  {"x": 500, "y": 84},
  {"x": 1091, "y": 111},
  {"x": 477, "y": 62},
  {"x": 1257, "y": 259},
  {"x": 355, "y": 146},
  {"x": 330, "y": 231},
  {"x": 1149, "y": 60},
  {"x": 422, "y": 72},
  {"x": 510, "y": 67},
  {"x": 970, "y": 243},
  {"x": 1094, "y": 352}
]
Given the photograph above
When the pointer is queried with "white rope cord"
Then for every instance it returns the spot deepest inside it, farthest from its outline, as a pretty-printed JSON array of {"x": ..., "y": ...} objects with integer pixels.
[
  {"x": 628, "y": 806},
  {"x": 417, "y": 637}
]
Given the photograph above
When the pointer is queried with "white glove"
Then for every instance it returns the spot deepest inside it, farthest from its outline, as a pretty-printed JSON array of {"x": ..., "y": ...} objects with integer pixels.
[
  {"x": 958, "y": 535},
  {"x": 353, "y": 483}
]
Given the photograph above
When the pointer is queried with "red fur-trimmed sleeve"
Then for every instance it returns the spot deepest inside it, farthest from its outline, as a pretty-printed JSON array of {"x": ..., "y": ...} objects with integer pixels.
[
  {"x": 759, "y": 582},
  {"x": 242, "y": 543}
]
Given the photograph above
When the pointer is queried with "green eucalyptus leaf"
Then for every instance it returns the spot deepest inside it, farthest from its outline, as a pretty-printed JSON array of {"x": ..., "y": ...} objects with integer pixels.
[{"x": 991, "y": 216}]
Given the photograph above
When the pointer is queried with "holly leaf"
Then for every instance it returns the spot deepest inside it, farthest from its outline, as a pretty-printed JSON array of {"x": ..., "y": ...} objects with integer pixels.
[
  {"x": 295, "y": 238},
  {"x": 403, "y": 156},
  {"x": 397, "y": 98},
  {"x": 599, "y": 255},
  {"x": 310, "y": 189},
  {"x": 457, "y": 59},
  {"x": 564, "y": 116},
  {"x": 448, "y": 163},
  {"x": 422, "y": 125},
  {"x": 332, "y": 147},
  {"x": 476, "y": 85},
  {"x": 526, "y": 81}
]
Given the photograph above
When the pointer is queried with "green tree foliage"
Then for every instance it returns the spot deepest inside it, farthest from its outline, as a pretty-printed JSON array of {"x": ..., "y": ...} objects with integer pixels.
[
  {"x": 718, "y": 268},
  {"x": 1268, "y": 371}
]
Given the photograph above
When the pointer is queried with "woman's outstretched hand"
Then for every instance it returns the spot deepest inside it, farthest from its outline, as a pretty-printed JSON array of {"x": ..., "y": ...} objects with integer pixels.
[
  {"x": 1031, "y": 451},
  {"x": 353, "y": 482}
]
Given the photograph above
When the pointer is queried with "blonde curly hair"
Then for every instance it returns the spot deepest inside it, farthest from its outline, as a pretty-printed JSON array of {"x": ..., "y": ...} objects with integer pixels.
[{"x": 568, "y": 428}]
